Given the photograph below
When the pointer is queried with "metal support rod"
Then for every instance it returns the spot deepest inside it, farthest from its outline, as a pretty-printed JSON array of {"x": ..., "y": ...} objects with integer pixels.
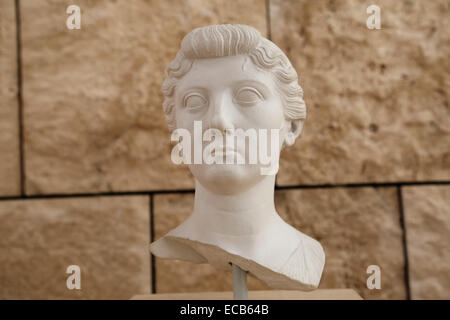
[{"x": 239, "y": 283}]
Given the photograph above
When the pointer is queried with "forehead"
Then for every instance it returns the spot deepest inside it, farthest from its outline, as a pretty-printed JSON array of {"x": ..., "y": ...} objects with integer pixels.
[{"x": 223, "y": 72}]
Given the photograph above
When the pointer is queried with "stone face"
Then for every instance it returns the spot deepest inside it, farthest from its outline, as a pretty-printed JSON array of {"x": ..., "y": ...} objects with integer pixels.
[
  {"x": 107, "y": 237},
  {"x": 179, "y": 276},
  {"x": 375, "y": 98},
  {"x": 9, "y": 120},
  {"x": 92, "y": 97},
  {"x": 427, "y": 217},
  {"x": 357, "y": 227}
]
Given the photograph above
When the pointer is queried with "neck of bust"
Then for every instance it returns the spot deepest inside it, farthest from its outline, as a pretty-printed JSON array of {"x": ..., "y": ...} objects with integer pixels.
[{"x": 245, "y": 214}]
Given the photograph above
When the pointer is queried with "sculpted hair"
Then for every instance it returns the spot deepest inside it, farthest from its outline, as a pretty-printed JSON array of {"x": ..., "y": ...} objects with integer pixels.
[{"x": 230, "y": 40}]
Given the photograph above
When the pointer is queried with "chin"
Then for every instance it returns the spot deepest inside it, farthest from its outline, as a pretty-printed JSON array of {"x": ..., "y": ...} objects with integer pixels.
[{"x": 226, "y": 179}]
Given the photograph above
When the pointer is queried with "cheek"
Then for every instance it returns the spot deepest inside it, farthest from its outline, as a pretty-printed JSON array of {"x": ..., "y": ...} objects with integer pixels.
[
  {"x": 185, "y": 119},
  {"x": 269, "y": 115}
]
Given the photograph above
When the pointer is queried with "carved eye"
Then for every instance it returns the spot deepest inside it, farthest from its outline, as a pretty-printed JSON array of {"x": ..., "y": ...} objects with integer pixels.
[
  {"x": 249, "y": 96},
  {"x": 194, "y": 101}
]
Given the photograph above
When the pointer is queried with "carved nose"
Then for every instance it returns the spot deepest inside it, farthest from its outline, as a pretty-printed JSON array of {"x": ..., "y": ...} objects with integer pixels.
[{"x": 221, "y": 119}]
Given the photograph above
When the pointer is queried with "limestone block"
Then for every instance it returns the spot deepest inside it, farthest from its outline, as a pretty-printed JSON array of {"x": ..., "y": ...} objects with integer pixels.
[
  {"x": 427, "y": 216},
  {"x": 93, "y": 101},
  {"x": 9, "y": 119},
  {"x": 357, "y": 227},
  {"x": 376, "y": 98},
  {"x": 107, "y": 237}
]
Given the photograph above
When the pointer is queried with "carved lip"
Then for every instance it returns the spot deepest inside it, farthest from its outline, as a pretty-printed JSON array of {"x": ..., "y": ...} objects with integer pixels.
[{"x": 226, "y": 151}]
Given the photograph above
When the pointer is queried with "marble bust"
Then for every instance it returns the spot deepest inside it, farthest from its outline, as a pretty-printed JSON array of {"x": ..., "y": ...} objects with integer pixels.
[{"x": 229, "y": 77}]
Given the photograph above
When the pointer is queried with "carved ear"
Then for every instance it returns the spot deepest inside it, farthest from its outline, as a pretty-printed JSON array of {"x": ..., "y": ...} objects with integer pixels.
[{"x": 294, "y": 132}]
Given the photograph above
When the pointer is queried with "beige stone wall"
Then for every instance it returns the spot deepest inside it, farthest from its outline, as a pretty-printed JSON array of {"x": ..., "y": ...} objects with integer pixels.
[{"x": 85, "y": 170}]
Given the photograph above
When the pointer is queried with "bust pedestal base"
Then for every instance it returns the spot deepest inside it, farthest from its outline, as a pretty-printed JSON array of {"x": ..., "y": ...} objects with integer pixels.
[{"x": 320, "y": 294}]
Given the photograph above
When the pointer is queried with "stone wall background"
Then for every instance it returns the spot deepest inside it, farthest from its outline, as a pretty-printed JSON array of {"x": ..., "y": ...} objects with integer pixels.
[{"x": 85, "y": 173}]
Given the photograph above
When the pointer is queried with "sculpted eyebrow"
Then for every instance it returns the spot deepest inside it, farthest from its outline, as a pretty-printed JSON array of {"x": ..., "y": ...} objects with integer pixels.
[
  {"x": 257, "y": 84},
  {"x": 183, "y": 91}
]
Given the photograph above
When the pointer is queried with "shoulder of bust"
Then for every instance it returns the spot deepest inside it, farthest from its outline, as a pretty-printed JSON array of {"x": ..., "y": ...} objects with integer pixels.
[{"x": 306, "y": 262}]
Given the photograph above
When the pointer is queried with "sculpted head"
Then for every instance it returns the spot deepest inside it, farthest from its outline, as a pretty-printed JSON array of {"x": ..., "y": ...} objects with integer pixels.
[{"x": 229, "y": 77}]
